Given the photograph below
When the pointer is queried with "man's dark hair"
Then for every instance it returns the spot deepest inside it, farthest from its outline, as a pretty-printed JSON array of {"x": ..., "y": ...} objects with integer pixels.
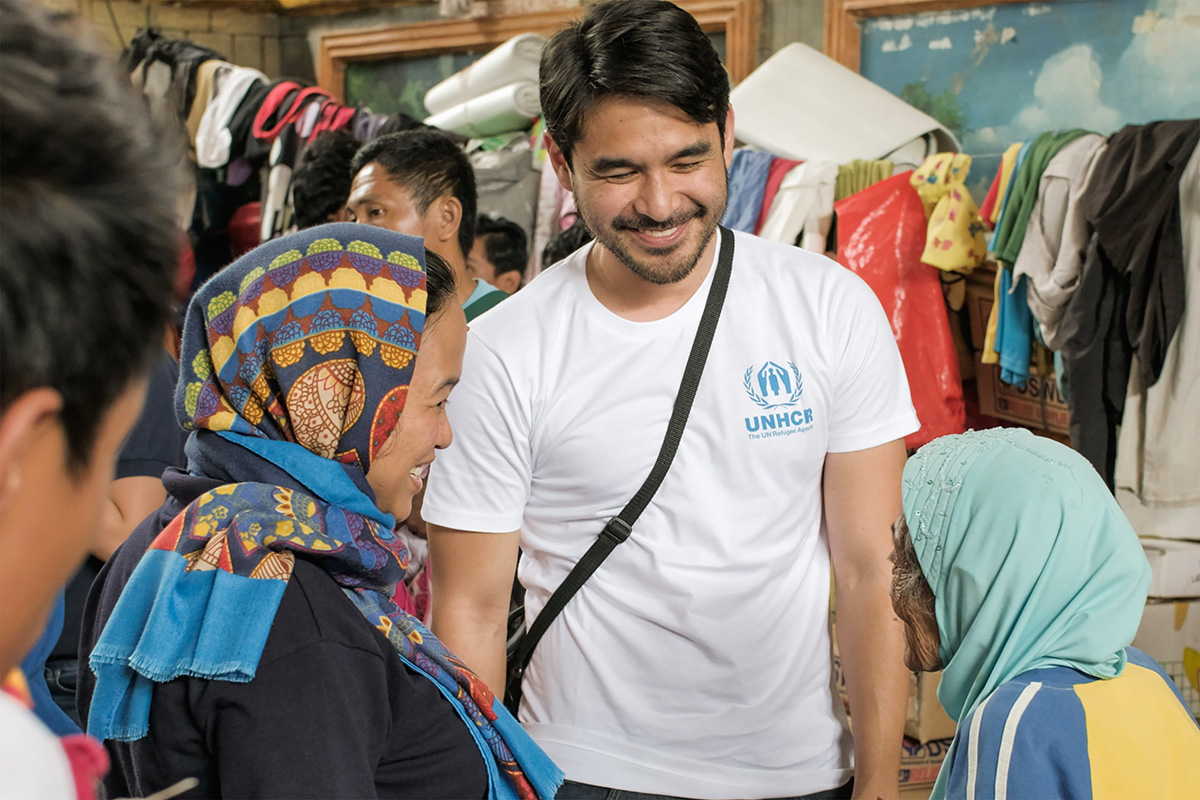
[
  {"x": 566, "y": 242},
  {"x": 429, "y": 166},
  {"x": 88, "y": 238},
  {"x": 505, "y": 243},
  {"x": 630, "y": 48},
  {"x": 440, "y": 285},
  {"x": 321, "y": 182}
]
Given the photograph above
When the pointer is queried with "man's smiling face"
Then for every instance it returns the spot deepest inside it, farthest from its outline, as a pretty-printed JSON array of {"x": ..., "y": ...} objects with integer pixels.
[{"x": 650, "y": 183}]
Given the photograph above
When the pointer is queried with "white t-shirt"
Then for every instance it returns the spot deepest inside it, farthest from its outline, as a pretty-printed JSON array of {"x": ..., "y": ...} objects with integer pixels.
[
  {"x": 696, "y": 660},
  {"x": 33, "y": 762}
]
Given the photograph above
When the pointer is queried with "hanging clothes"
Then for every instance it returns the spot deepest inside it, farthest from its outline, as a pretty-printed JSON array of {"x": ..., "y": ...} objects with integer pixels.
[
  {"x": 747, "y": 180},
  {"x": 1052, "y": 252},
  {"x": 990, "y": 209},
  {"x": 779, "y": 170},
  {"x": 991, "y": 354},
  {"x": 1151, "y": 464},
  {"x": 855, "y": 176},
  {"x": 1010, "y": 230},
  {"x": 804, "y": 204},
  {"x": 213, "y": 137},
  {"x": 1131, "y": 289},
  {"x": 954, "y": 239},
  {"x": 547, "y": 219},
  {"x": 506, "y": 182},
  {"x": 1014, "y": 332},
  {"x": 207, "y": 76}
]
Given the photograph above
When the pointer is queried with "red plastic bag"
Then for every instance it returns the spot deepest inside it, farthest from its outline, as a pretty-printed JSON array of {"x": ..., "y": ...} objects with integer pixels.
[{"x": 881, "y": 235}]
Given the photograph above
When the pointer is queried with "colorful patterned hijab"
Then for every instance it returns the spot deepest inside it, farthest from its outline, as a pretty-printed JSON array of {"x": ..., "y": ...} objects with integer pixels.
[
  {"x": 1031, "y": 562},
  {"x": 296, "y": 365}
]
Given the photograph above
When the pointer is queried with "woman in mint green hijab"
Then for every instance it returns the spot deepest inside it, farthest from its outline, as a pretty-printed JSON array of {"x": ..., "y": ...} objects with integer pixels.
[{"x": 1017, "y": 575}]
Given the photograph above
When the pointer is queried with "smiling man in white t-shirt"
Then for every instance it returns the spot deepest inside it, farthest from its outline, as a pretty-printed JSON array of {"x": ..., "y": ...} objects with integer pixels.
[{"x": 695, "y": 662}]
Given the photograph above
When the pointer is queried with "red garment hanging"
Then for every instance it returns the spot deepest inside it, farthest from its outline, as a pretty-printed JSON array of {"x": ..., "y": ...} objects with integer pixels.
[
  {"x": 881, "y": 236},
  {"x": 778, "y": 170}
]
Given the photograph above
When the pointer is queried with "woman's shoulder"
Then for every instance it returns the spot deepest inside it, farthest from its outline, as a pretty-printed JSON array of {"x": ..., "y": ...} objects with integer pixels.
[
  {"x": 1029, "y": 736},
  {"x": 315, "y": 611}
]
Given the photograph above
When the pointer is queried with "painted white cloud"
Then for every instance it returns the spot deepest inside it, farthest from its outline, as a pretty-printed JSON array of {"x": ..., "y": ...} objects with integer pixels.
[
  {"x": 1036, "y": 9},
  {"x": 891, "y": 46},
  {"x": 1067, "y": 95},
  {"x": 1158, "y": 75},
  {"x": 941, "y": 44},
  {"x": 947, "y": 17}
]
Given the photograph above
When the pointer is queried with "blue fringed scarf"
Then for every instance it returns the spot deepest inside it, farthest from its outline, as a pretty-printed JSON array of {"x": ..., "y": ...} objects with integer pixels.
[{"x": 297, "y": 358}]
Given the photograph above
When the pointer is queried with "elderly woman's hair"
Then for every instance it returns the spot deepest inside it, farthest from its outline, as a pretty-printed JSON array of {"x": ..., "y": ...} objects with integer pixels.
[
  {"x": 439, "y": 282},
  {"x": 912, "y": 597}
]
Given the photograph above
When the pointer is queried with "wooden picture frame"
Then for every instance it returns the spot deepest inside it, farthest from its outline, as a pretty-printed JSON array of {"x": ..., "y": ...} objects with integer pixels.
[
  {"x": 843, "y": 18},
  {"x": 738, "y": 19}
]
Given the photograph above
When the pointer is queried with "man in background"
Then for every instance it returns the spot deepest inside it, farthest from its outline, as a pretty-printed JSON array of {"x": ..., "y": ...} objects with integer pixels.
[
  {"x": 421, "y": 183},
  {"x": 88, "y": 252},
  {"x": 500, "y": 253},
  {"x": 321, "y": 182}
]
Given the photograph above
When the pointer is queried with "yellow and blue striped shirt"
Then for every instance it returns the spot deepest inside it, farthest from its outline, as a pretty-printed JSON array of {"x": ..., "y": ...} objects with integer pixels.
[{"x": 1058, "y": 733}]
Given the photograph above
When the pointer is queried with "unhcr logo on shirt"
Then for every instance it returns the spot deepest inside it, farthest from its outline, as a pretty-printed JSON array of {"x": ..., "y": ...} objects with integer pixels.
[{"x": 772, "y": 387}]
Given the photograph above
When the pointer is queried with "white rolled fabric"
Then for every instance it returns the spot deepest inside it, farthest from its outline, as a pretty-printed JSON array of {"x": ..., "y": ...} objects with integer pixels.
[
  {"x": 212, "y": 137},
  {"x": 514, "y": 61},
  {"x": 509, "y": 108}
]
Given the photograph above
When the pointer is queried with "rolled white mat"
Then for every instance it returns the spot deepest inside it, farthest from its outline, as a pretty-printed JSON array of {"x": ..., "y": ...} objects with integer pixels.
[
  {"x": 515, "y": 60},
  {"x": 803, "y": 105},
  {"x": 509, "y": 108}
]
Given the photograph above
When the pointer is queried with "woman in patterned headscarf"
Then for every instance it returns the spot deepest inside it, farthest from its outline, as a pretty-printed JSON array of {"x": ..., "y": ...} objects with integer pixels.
[
  {"x": 246, "y": 635},
  {"x": 1016, "y": 574}
]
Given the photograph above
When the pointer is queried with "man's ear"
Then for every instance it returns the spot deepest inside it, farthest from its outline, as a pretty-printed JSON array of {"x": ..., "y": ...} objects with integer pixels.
[
  {"x": 559, "y": 161},
  {"x": 727, "y": 145},
  {"x": 449, "y": 217},
  {"x": 508, "y": 281},
  {"x": 25, "y": 426}
]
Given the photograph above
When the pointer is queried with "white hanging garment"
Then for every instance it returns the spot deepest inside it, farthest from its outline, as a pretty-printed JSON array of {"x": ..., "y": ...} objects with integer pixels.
[{"x": 212, "y": 137}]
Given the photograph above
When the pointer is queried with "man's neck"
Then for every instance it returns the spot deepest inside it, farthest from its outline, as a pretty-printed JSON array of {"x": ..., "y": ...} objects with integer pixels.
[
  {"x": 636, "y": 299},
  {"x": 463, "y": 280}
]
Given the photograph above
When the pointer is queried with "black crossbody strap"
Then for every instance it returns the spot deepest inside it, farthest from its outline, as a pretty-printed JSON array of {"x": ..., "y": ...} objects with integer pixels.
[{"x": 619, "y": 527}]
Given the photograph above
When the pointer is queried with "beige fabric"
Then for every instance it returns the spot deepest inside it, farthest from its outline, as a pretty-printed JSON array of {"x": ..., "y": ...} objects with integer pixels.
[{"x": 1052, "y": 251}]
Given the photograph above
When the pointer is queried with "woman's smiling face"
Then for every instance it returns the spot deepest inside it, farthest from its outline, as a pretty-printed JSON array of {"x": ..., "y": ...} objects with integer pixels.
[{"x": 398, "y": 471}]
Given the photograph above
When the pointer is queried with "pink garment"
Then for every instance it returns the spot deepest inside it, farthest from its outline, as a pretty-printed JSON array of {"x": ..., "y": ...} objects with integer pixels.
[
  {"x": 779, "y": 169},
  {"x": 552, "y": 199},
  {"x": 403, "y": 599},
  {"x": 89, "y": 764}
]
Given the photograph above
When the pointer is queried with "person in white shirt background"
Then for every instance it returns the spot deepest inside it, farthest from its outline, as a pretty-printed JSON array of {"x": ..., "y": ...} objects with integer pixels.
[{"x": 695, "y": 662}]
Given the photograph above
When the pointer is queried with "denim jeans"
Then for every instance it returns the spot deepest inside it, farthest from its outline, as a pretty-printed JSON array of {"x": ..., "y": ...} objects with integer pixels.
[
  {"x": 583, "y": 791},
  {"x": 62, "y": 676}
]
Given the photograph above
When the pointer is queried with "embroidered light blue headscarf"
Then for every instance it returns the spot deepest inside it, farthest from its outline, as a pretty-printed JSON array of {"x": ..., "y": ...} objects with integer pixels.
[{"x": 1031, "y": 562}]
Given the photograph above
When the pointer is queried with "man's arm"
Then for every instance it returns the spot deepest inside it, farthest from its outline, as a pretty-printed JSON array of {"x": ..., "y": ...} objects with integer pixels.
[
  {"x": 471, "y": 586},
  {"x": 862, "y": 499}
]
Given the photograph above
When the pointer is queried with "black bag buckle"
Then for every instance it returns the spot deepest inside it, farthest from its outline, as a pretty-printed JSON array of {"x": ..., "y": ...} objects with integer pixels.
[{"x": 617, "y": 530}]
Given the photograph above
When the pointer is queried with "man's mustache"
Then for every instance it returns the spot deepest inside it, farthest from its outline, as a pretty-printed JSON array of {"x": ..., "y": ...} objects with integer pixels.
[{"x": 641, "y": 222}]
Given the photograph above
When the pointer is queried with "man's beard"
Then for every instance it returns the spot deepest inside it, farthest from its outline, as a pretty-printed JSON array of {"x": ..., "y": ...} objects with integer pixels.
[{"x": 671, "y": 272}]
